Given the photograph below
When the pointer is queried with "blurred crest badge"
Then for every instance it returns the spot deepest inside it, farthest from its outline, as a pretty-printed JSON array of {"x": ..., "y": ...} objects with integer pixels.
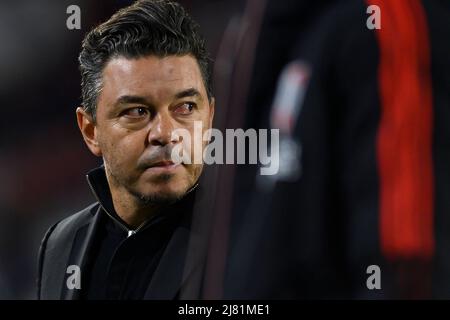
[{"x": 285, "y": 112}]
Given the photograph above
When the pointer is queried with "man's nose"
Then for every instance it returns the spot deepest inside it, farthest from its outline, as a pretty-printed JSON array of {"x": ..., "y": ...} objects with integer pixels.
[{"x": 161, "y": 131}]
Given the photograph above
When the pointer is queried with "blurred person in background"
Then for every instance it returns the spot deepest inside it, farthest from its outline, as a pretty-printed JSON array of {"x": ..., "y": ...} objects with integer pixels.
[{"x": 364, "y": 152}]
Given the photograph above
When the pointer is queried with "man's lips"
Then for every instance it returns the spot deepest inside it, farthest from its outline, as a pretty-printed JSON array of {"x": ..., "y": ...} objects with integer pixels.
[
  {"x": 164, "y": 163},
  {"x": 162, "y": 166}
]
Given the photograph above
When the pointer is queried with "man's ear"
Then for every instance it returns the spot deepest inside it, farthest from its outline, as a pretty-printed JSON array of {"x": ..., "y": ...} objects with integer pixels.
[
  {"x": 88, "y": 130},
  {"x": 212, "y": 106}
]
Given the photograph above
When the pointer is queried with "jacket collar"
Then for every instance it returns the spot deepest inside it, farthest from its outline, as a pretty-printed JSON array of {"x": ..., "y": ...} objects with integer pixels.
[
  {"x": 98, "y": 183},
  {"x": 99, "y": 186}
]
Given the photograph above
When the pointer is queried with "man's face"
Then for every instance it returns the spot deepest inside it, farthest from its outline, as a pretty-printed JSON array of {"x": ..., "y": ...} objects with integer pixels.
[{"x": 142, "y": 101}]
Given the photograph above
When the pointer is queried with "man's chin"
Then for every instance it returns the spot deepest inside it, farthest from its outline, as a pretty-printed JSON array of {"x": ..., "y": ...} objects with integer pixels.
[
  {"x": 160, "y": 197},
  {"x": 161, "y": 189}
]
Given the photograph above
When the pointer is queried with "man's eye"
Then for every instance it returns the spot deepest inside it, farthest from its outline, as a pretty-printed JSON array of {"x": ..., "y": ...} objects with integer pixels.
[
  {"x": 138, "y": 112},
  {"x": 185, "y": 108}
]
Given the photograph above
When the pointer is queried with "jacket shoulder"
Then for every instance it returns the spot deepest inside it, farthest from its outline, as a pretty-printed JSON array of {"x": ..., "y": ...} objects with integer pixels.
[
  {"x": 69, "y": 225},
  {"x": 59, "y": 237}
]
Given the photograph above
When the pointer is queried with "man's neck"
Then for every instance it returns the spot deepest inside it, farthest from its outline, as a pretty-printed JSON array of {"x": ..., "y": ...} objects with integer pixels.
[{"x": 130, "y": 209}]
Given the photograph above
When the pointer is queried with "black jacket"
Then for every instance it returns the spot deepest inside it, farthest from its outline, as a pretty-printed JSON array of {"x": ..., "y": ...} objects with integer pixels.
[{"x": 71, "y": 242}]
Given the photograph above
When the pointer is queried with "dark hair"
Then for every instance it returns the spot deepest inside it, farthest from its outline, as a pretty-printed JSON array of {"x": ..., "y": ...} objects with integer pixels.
[{"x": 147, "y": 27}]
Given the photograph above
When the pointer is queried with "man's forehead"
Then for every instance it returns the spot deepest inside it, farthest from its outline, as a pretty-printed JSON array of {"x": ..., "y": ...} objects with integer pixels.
[{"x": 151, "y": 73}]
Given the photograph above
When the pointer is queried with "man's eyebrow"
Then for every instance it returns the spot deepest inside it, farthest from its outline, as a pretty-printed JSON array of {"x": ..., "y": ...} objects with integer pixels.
[
  {"x": 131, "y": 99},
  {"x": 191, "y": 92}
]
